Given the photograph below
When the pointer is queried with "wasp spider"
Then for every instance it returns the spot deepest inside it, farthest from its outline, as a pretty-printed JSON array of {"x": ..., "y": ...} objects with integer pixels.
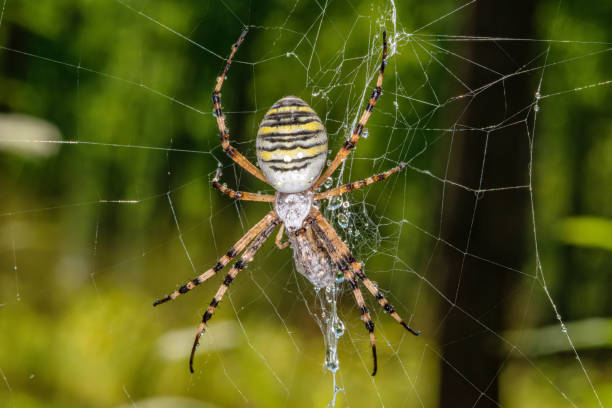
[{"x": 291, "y": 151}]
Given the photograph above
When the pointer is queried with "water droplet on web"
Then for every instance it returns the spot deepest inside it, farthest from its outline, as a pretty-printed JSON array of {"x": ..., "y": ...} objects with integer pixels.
[
  {"x": 339, "y": 328},
  {"x": 214, "y": 114},
  {"x": 328, "y": 183},
  {"x": 334, "y": 203},
  {"x": 332, "y": 363},
  {"x": 357, "y": 233},
  {"x": 343, "y": 220},
  {"x": 340, "y": 277},
  {"x": 346, "y": 204},
  {"x": 219, "y": 164},
  {"x": 288, "y": 55},
  {"x": 365, "y": 133},
  {"x": 563, "y": 329},
  {"x": 536, "y": 107},
  {"x": 396, "y": 104},
  {"x": 225, "y": 185},
  {"x": 537, "y": 95}
]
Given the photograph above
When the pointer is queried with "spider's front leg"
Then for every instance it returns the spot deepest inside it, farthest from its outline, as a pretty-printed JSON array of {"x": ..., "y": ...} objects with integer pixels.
[
  {"x": 234, "y": 251},
  {"x": 242, "y": 263},
  {"x": 343, "y": 258}
]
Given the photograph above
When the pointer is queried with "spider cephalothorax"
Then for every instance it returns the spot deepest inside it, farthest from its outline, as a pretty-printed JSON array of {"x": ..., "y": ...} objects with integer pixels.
[{"x": 291, "y": 152}]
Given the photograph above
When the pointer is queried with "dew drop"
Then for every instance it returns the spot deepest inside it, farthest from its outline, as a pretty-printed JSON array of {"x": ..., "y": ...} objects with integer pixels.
[
  {"x": 564, "y": 329},
  {"x": 536, "y": 107},
  {"x": 339, "y": 277},
  {"x": 365, "y": 133},
  {"x": 332, "y": 363},
  {"x": 328, "y": 183},
  {"x": 338, "y": 328},
  {"x": 537, "y": 95},
  {"x": 334, "y": 203},
  {"x": 300, "y": 155},
  {"x": 286, "y": 159},
  {"x": 346, "y": 204},
  {"x": 328, "y": 163},
  {"x": 343, "y": 220}
]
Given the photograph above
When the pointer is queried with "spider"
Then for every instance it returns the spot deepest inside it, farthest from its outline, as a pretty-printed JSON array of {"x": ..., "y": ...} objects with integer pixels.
[{"x": 291, "y": 149}]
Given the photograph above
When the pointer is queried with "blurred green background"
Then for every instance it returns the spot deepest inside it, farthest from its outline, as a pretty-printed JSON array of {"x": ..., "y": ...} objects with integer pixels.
[{"x": 502, "y": 221}]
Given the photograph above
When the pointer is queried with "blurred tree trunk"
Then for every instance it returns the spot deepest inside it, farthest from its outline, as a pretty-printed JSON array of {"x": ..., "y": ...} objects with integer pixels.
[{"x": 492, "y": 225}]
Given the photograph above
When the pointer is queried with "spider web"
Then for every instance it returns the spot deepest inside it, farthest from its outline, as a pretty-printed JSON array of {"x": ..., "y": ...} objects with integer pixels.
[{"x": 109, "y": 207}]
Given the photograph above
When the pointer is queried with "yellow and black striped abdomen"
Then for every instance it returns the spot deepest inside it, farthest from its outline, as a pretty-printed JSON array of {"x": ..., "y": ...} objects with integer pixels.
[{"x": 291, "y": 145}]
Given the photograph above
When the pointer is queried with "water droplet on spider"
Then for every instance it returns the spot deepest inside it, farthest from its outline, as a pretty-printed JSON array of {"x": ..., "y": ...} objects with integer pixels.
[
  {"x": 328, "y": 163},
  {"x": 286, "y": 159},
  {"x": 214, "y": 114},
  {"x": 300, "y": 155},
  {"x": 346, "y": 204},
  {"x": 343, "y": 220},
  {"x": 340, "y": 277},
  {"x": 328, "y": 183},
  {"x": 224, "y": 185},
  {"x": 365, "y": 133},
  {"x": 338, "y": 328},
  {"x": 334, "y": 203}
]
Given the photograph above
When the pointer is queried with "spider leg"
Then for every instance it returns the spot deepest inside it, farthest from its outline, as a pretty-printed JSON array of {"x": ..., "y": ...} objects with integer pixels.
[
  {"x": 279, "y": 238},
  {"x": 352, "y": 141},
  {"x": 348, "y": 258},
  {"x": 337, "y": 251},
  {"x": 265, "y": 222},
  {"x": 242, "y": 263},
  {"x": 240, "y": 195},
  {"x": 216, "y": 98},
  {"x": 337, "y": 248},
  {"x": 358, "y": 184},
  {"x": 379, "y": 296}
]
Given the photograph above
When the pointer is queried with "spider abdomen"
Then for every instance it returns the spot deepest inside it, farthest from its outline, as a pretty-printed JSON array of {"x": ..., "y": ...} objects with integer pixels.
[{"x": 291, "y": 145}]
